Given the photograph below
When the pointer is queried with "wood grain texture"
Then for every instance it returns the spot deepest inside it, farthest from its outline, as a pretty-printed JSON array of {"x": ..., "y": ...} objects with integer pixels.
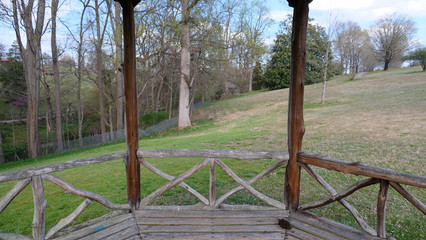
[
  {"x": 331, "y": 226},
  {"x": 212, "y": 182},
  {"x": 13, "y": 236},
  {"x": 29, "y": 172},
  {"x": 213, "y": 153},
  {"x": 381, "y": 208},
  {"x": 83, "y": 193},
  {"x": 296, "y": 128},
  {"x": 96, "y": 226},
  {"x": 131, "y": 104},
  {"x": 358, "y": 168},
  {"x": 40, "y": 203}
]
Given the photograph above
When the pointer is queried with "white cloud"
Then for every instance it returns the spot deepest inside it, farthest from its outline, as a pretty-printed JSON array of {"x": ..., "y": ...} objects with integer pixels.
[
  {"x": 269, "y": 41},
  {"x": 325, "y": 5},
  {"x": 366, "y": 12},
  {"x": 279, "y": 15},
  {"x": 413, "y": 8}
]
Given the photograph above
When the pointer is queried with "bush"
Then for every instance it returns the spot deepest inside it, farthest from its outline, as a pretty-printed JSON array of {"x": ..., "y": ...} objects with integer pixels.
[
  {"x": 152, "y": 118},
  {"x": 13, "y": 153}
]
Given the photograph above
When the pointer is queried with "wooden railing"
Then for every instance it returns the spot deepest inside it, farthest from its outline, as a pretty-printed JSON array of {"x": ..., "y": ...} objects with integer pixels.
[
  {"x": 36, "y": 176},
  {"x": 211, "y": 158},
  {"x": 376, "y": 175}
]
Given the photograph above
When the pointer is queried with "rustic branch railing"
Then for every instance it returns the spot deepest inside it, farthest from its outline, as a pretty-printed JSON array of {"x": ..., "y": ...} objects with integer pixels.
[
  {"x": 386, "y": 178},
  {"x": 36, "y": 176},
  {"x": 377, "y": 175},
  {"x": 211, "y": 158}
]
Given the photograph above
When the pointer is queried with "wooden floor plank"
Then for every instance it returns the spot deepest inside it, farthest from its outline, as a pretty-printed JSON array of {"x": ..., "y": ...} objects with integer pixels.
[
  {"x": 315, "y": 230},
  {"x": 97, "y": 227},
  {"x": 207, "y": 221},
  {"x": 211, "y": 213},
  {"x": 234, "y": 236},
  {"x": 336, "y": 228},
  {"x": 126, "y": 233},
  {"x": 112, "y": 230},
  {"x": 215, "y": 224},
  {"x": 209, "y": 229},
  {"x": 296, "y": 233}
]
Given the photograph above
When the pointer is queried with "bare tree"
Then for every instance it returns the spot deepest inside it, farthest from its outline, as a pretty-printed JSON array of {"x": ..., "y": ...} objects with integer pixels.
[
  {"x": 330, "y": 35},
  {"x": 350, "y": 44},
  {"x": 100, "y": 33},
  {"x": 118, "y": 60},
  {"x": 21, "y": 18},
  {"x": 57, "y": 81},
  {"x": 392, "y": 37},
  {"x": 253, "y": 23}
]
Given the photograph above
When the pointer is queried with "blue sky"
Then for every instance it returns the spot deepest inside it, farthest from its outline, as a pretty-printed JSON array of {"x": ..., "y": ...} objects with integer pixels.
[{"x": 364, "y": 12}]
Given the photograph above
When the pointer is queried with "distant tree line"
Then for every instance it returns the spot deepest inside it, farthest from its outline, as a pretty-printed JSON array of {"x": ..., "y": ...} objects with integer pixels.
[
  {"x": 77, "y": 88},
  {"x": 352, "y": 49},
  {"x": 187, "y": 51}
]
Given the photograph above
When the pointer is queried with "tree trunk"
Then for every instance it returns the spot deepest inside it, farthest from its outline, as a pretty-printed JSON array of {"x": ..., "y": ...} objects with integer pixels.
[
  {"x": 58, "y": 112},
  {"x": 157, "y": 100},
  {"x": 386, "y": 67},
  {"x": 99, "y": 73},
  {"x": 80, "y": 62},
  {"x": 1, "y": 150},
  {"x": 324, "y": 76},
  {"x": 49, "y": 110},
  {"x": 250, "y": 77},
  {"x": 119, "y": 59},
  {"x": 185, "y": 64},
  {"x": 31, "y": 59}
]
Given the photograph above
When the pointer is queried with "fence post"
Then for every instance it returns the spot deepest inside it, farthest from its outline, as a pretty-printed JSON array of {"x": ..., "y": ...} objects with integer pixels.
[
  {"x": 40, "y": 203},
  {"x": 296, "y": 127},
  {"x": 129, "y": 68}
]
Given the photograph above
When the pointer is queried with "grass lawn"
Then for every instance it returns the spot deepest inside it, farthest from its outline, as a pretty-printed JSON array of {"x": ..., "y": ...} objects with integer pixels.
[{"x": 379, "y": 119}]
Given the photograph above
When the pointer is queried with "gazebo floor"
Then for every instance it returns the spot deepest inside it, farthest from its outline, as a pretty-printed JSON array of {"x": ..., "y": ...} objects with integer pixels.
[{"x": 211, "y": 224}]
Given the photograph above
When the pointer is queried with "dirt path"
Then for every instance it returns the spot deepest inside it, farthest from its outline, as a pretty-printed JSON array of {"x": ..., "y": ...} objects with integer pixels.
[{"x": 359, "y": 75}]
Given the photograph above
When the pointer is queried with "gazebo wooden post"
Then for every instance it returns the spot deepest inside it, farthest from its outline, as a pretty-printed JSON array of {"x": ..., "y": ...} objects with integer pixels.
[
  {"x": 296, "y": 127},
  {"x": 129, "y": 69}
]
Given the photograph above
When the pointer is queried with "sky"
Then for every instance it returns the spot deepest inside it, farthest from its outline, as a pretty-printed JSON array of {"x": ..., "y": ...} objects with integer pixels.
[{"x": 363, "y": 12}]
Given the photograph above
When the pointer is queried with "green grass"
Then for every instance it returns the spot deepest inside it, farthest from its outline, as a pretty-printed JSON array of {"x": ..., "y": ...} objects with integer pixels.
[{"x": 378, "y": 119}]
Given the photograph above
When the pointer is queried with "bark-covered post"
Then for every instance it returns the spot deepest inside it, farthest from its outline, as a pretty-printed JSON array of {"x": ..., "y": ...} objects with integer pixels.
[
  {"x": 296, "y": 127},
  {"x": 129, "y": 68}
]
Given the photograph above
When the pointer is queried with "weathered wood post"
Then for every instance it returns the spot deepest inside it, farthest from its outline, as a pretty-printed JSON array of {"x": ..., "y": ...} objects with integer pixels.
[
  {"x": 296, "y": 127},
  {"x": 129, "y": 69}
]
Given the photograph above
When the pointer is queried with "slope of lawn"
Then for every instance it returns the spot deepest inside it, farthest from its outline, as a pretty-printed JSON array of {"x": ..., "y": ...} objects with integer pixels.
[{"x": 379, "y": 119}]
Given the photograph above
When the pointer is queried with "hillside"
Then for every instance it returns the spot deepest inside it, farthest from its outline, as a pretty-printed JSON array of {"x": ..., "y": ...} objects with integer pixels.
[{"x": 379, "y": 119}]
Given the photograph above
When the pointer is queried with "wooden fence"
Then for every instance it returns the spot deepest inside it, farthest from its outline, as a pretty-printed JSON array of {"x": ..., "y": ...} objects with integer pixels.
[
  {"x": 211, "y": 158},
  {"x": 375, "y": 175},
  {"x": 38, "y": 174}
]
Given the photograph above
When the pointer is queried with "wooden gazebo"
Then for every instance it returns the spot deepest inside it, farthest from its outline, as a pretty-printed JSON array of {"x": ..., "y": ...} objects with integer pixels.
[{"x": 211, "y": 219}]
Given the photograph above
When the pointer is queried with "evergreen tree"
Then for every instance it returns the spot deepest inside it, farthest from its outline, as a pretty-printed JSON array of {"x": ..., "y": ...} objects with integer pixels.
[{"x": 277, "y": 73}]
